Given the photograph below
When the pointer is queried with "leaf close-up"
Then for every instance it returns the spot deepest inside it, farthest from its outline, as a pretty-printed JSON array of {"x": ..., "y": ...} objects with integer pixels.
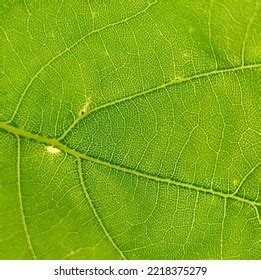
[{"x": 130, "y": 129}]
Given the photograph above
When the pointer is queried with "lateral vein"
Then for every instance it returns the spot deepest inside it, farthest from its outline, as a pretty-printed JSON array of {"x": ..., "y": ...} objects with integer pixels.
[
  {"x": 95, "y": 212},
  {"x": 151, "y": 90},
  {"x": 21, "y": 200}
]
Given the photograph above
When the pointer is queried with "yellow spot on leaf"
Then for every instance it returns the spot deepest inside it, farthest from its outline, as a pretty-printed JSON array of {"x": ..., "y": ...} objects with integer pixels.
[
  {"x": 185, "y": 54},
  {"x": 235, "y": 182},
  {"x": 52, "y": 150}
]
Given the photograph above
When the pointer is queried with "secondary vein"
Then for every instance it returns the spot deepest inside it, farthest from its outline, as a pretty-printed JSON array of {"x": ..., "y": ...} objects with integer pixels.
[
  {"x": 21, "y": 201},
  {"x": 95, "y": 212},
  {"x": 151, "y": 90}
]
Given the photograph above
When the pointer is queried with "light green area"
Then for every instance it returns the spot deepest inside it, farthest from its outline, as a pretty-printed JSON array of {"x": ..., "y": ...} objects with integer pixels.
[{"x": 130, "y": 129}]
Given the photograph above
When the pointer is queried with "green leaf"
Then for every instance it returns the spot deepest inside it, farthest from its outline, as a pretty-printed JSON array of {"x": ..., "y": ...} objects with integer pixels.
[{"x": 130, "y": 129}]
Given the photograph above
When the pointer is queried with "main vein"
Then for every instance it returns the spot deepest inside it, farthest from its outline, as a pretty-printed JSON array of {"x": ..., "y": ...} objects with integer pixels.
[{"x": 54, "y": 142}]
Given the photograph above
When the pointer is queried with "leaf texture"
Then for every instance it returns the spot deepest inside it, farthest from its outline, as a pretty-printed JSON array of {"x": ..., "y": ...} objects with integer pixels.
[{"x": 130, "y": 129}]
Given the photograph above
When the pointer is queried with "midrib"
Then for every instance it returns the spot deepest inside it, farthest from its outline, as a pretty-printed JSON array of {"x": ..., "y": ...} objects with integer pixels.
[{"x": 54, "y": 142}]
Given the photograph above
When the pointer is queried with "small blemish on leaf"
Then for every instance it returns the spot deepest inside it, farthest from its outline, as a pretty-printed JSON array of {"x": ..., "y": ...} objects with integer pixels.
[
  {"x": 235, "y": 182},
  {"x": 85, "y": 108},
  {"x": 52, "y": 150},
  {"x": 178, "y": 79},
  {"x": 185, "y": 54}
]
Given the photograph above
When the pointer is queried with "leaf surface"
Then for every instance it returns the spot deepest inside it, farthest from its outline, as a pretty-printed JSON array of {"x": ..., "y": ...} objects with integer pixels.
[{"x": 129, "y": 129}]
